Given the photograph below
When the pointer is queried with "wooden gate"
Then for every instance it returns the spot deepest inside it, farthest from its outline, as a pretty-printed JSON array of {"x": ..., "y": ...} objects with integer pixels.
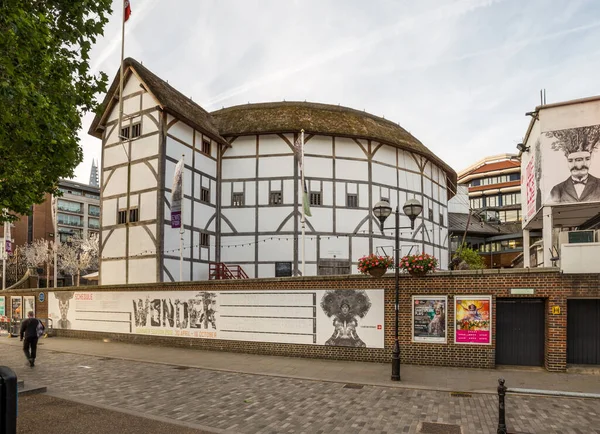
[{"x": 583, "y": 332}]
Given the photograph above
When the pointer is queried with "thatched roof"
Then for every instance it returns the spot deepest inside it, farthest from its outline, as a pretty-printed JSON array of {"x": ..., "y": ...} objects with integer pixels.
[
  {"x": 169, "y": 98},
  {"x": 323, "y": 119}
]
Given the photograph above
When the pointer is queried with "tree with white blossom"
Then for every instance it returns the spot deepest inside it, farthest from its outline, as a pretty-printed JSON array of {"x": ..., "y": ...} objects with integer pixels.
[{"x": 78, "y": 255}]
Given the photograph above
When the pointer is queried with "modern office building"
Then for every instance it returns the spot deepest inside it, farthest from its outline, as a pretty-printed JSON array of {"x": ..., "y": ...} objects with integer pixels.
[
  {"x": 494, "y": 193},
  {"x": 241, "y": 189}
]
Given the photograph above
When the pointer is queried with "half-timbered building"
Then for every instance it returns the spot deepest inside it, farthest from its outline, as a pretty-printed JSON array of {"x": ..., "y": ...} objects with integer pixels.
[{"x": 242, "y": 190}]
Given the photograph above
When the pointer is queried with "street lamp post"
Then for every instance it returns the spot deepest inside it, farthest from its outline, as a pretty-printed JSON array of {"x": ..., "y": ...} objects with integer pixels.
[{"x": 412, "y": 208}]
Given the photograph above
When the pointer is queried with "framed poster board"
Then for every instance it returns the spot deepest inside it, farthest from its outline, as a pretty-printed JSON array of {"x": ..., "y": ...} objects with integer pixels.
[
  {"x": 28, "y": 305},
  {"x": 2, "y": 305},
  {"x": 16, "y": 307},
  {"x": 283, "y": 269},
  {"x": 429, "y": 323},
  {"x": 473, "y": 319}
]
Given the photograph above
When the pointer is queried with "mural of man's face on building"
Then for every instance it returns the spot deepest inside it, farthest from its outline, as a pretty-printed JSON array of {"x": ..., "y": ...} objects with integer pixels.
[{"x": 579, "y": 163}]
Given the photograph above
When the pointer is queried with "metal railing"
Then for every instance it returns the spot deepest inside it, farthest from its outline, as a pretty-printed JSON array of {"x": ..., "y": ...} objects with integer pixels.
[{"x": 222, "y": 271}]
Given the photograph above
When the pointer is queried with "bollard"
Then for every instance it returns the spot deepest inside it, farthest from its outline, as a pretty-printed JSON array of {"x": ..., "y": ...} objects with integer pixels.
[
  {"x": 8, "y": 401},
  {"x": 501, "y": 407}
]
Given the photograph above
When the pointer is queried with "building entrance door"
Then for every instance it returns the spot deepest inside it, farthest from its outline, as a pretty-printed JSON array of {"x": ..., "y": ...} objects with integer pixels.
[
  {"x": 583, "y": 332},
  {"x": 520, "y": 331}
]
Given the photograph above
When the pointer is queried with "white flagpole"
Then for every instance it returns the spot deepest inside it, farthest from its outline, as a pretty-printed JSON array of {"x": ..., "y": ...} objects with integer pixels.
[
  {"x": 121, "y": 75},
  {"x": 302, "y": 199},
  {"x": 181, "y": 227}
]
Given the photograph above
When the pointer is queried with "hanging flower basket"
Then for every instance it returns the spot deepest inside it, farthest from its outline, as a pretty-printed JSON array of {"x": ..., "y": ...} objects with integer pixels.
[
  {"x": 418, "y": 265},
  {"x": 377, "y": 271},
  {"x": 375, "y": 265}
]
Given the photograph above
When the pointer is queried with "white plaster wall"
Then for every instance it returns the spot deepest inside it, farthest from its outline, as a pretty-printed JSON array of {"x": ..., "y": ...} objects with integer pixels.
[
  {"x": 142, "y": 178},
  {"x": 350, "y": 169},
  {"x": 348, "y": 148},
  {"x": 319, "y": 145},
  {"x": 350, "y": 220},
  {"x": 184, "y": 133},
  {"x": 109, "y": 212},
  {"x": 140, "y": 242},
  {"x": 205, "y": 164},
  {"x": 276, "y": 251},
  {"x": 168, "y": 181},
  {"x": 114, "y": 246},
  {"x": 142, "y": 270},
  {"x": 148, "y": 101},
  {"x": 273, "y": 144},
  {"x": 384, "y": 174},
  {"x": 171, "y": 242},
  {"x": 322, "y": 218},
  {"x": 112, "y": 272},
  {"x": 176, "y": 149},
  {"x": 117, "y": 184},
  {"x": 173, "y": 266},
  {"x": 385, "y": 154},
  {"x": 200, "y": 272},
  {"x": 335, "y": 246},
  {"x": 239, "y": 168},
  {"x": 276, "y": 166},
  {"x": 237, "y": 248},
  {"x": 242, "y": 146},
  {"x": 132, "y": 104},
  {"x": 407, "y": 161},
  {"x": 318, "y": 167},
  {"x": 243, "y": 219},
  {"x": 144, "y": 147},
  {"x": 202, "y": 214},
  {"x": 113, "y": 156},
  {"x": 270, "y": 218}
]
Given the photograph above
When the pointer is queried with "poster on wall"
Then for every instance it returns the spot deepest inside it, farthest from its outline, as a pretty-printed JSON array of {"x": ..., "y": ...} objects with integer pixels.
[
  {"x": 16, "y": 307},
  {"x": 2, "y": 306},
  {"x": 571, "y": 157},
  {"x": 28, "y": 305},
  {"x": 348, "y": 317},
  {"x": 473, "y": 319},
  {"x": 429, "y": 318}
]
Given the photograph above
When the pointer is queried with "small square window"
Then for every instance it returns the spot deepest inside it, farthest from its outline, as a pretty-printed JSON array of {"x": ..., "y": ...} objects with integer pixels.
[
  {"x": 122, "y": 217},
  {"x": 441, "y": 219},
  {"x": 206, "y": 147},
  {"x": 352, "y": 201},
  {"x": 237, "y": 199},
  {"x": 125, "y": 132},
  {"x": 205, "y": 195},
  {"x": 315, "y": 198},
  {"x": 136, "y": 130},
  {"x": 134, "y": 215},
  {"x": 275, "y": 198},
  {"x": 431, "y": 214},
  {"x": 204, "y": 239}
]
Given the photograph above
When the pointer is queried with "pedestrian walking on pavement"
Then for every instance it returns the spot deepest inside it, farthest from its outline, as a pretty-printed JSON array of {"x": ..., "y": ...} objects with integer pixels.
[{"x": 32, "y": 328}]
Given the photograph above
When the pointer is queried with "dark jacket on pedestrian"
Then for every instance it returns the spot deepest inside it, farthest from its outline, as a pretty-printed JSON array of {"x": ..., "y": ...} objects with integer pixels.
[{"x": 29, "y": 327}]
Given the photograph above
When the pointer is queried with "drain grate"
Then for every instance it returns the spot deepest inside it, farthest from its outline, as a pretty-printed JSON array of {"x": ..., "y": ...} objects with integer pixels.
[
  {"x": 439, "y": 428},
  {"x": 353, "y": 386},
  {"x": 460, "y": 394},
  {"x": 182, "y": 368}
]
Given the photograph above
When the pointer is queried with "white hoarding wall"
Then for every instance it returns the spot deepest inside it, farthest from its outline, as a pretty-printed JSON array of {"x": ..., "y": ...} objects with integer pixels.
[{"x": 346, "y": 317}]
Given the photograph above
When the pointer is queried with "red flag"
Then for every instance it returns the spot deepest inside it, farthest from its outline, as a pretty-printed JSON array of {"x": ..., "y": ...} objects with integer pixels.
[{"x": 127, "y": 10}]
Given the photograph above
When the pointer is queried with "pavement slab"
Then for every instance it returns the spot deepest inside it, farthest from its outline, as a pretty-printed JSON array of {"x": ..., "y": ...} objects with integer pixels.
[{"x": 244, "y": 402}]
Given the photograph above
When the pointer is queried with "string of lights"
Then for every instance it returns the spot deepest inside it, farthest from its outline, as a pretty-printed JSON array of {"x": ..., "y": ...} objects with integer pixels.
[{"x": 250, "y": 243}]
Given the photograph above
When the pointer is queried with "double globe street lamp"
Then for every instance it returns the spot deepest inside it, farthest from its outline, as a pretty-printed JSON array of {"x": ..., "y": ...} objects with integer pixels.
[{"x": 382, "y": 210}]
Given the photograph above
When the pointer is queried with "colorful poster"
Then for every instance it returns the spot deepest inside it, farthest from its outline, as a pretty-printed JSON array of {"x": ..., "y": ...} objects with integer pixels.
[
  {"x": 2, "y": 306},
  {"x": 348, "y": 317},
  {"x": 530, "y": 189},
  {"x": 28, "y": 305},
  {"x": 429, "y": 318},
  {"x": 16, "y": 307},
  {"x": 473, "y": 319}
]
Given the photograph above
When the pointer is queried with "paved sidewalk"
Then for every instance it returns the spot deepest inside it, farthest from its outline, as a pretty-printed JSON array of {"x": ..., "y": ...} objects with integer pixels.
[
  {"x": 160, "y": 385},
  {"x": 376, "y": 374}
]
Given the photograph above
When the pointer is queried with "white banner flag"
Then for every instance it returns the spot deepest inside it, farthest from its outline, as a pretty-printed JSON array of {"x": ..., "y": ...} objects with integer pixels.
[{"x": 177, "y": 195}]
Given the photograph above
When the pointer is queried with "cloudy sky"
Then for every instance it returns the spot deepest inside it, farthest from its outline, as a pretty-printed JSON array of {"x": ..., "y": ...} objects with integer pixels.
[{"x": 458, "y": 74}]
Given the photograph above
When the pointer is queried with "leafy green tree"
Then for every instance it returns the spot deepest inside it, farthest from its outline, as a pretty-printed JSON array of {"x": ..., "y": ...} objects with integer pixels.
[
  {"x": 467, "y": 259},
  {"x": 45, "y": 87}
]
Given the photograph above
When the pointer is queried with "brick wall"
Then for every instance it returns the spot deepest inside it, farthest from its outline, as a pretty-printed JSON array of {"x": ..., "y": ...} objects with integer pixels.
[{"x": 549, "y": 284}]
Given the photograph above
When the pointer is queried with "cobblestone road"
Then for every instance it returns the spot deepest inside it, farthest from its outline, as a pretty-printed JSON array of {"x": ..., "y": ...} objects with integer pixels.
[{"x": 246, "y": 403}]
